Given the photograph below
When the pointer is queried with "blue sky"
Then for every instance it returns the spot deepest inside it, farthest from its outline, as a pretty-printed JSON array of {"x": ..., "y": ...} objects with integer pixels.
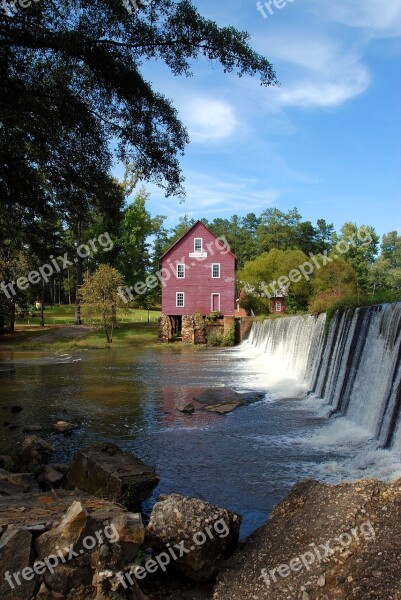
[{"x": 327, "y": 141}]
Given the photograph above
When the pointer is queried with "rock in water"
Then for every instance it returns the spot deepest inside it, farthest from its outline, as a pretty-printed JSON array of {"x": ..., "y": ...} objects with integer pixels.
[
  {"x": 104, "y": 470},
  {"x": 185, "y": 407},
  {"x": 218, "y": 396},
  {"x": 209, "y": 534},
  {"x": 64, "y": 427},
  {"x": 224, "y": 407},
  {"x": 32, "y": 428},
  {"x": 224, "y": 400}
]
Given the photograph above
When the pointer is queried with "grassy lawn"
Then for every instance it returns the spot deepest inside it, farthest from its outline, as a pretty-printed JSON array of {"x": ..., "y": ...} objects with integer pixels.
[
  {"x": 125, "y": 336},
  {"x": 65, "y": 314},
  {"x": 133, "y": 328}
]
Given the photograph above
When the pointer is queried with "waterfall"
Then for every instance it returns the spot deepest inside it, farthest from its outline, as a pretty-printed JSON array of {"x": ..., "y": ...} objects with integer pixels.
[{"x": 356, "y": 370}]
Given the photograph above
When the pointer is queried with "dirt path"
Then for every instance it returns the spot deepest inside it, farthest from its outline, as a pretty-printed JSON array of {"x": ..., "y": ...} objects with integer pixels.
[{"x": 61, "y": 333}]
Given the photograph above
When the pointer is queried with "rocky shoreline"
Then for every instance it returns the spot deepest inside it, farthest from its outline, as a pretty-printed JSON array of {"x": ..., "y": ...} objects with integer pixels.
[{"x": 76, "y": 531}]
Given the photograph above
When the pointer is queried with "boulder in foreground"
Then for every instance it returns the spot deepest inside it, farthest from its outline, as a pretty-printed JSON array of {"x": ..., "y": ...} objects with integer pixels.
[
  {"x": 208, "y": 533},
  {"x": 322, "y": 541},
  {"x": 78, "y": 543},
  {"x": 104, "y": 470},
  {"x": 35, "y": 452}
]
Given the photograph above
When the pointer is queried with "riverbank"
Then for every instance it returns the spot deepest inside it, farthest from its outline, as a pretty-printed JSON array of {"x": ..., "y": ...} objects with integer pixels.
[
  {"x": 321, "y": 541},
  {"x": 70, "y": 338}
]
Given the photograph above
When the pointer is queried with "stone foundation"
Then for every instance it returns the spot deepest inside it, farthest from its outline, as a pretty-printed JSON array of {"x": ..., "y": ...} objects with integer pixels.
[
  {"x": 193, "y": 329},
  {"x": 168, "y": 328},
  {"x": 165, "y": 329}
]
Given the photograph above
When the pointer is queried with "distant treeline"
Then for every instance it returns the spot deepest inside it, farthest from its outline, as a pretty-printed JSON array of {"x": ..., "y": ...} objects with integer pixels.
[{"x": 269, "y": 248}]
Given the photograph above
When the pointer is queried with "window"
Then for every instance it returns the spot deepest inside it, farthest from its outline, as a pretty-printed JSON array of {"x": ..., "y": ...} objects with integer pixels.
[
  {"x": 216, "y": 270},
  {"x": 180, "y": 271},
  {"x": 198, "y": 246},
  {"x": 278, "y": 306},
  {"x": 179, "y": 299}
]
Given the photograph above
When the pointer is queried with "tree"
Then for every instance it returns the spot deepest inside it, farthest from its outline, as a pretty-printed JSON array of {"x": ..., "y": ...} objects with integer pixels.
[
  {"x": 100, "y": 297},
  {"x": 360, "y": 250},
  {"x": 72, "y": 86},
  {"x": 391, "y": 248},
  {"x": 133, "y": 251},
  {"x": 277, "y": 229},
  {"x": 261, "y": 277},
  {"x": 385, "y": 273},
  {"x": 331, "y": 283}
]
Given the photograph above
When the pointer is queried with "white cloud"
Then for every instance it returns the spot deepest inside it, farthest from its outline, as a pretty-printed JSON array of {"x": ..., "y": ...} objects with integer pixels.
[
  {"x": 380, "y": 19},
  {"x": 207, "y": 119},
  {"x": 318, "y": 71},
  {"x": 210, "y": 197}
]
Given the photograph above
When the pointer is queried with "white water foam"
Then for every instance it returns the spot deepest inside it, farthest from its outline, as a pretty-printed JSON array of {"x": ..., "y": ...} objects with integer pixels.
[{"x": 356, "y": 373}]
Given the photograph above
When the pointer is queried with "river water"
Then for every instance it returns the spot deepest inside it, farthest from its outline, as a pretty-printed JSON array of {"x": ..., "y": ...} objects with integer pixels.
[{"x": 246, "y": 461}]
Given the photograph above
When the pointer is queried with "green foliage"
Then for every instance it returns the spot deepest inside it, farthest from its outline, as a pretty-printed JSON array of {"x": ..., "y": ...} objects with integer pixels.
[
  {"x": 100, "y": 298},
  {"x": 72, "y": 84},
  {"x": 229, "y": 337},
  {"x": 385, "y": 273},
  {"x": 285, "y": 231},
  {"x": 215, "y": 340},
  {"x": 255, "y": 304},
  {"x": 333, "y": 282},
  {"x": 361, "y": 252},
  {"x": 262, "y": 277},
  {"x": 356, "y": 301},
  {"x": 212, "y": 318},
  {"x": 133, "y": 253}
]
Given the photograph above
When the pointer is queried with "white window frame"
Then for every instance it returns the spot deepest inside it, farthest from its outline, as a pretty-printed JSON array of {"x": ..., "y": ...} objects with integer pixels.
[
  {"x": 211, "y": 301},
  {"x": 219, "y": 267},
  {"x": 279, "y": 306},
  {"x": 201, "y": 244},
  {"x": 177, "y": 271},
  {"x": 183, "y": 300}
]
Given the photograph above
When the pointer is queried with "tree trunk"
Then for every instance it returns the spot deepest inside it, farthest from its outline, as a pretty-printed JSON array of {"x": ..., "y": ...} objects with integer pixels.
[
  {"x": 42, "y": 314},
  {"x": 69, "y": 288},
  {"x": 78, "y": 280},
  {"x": 12, "y": 316}
]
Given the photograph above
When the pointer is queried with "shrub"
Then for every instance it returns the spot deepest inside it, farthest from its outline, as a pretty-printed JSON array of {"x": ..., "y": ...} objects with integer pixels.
[
  {"x": 356, "y": 301},
  {"x": 229, "y": 338}
]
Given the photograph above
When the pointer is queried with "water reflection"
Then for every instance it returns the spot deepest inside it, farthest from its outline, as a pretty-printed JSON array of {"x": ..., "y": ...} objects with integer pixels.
[{"x": 244, "y": 460}]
